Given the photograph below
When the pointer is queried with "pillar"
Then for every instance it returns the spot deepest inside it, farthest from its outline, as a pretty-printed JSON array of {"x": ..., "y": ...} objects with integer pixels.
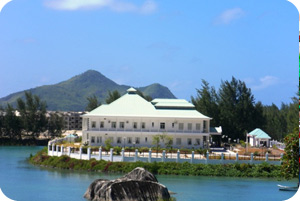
[
  {"x": 62, "y": 149},
  {"x": 136, "y": 155},
  {"x": 69, "y": 151},
  {"x": 53, "y": 149},
  {"x": 178, "y": 156},
  {"x": 80, "y": 153},
  {"x": 222, "y": 157},
  {"x": 89, "y": 153},
  {"x": 111, "y": 154},
  {"x": 251, "y": 161},
  {"x": 267, "y": 156},
  {"x": 57, "y": 149},
  {"x": 100, "y": 153},
  {"x": 192, "y": 158},
  {"x": 236, "y": 157},
  {"x": 163, "y": 159},
  {"x": 149, "y": 157},
  {"x": 207, "y": 157},
  {"x": 123, "y": 155}
]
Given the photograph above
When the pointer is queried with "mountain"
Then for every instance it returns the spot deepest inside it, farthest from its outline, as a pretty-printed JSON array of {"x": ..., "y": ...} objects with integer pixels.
[{"x": 71, "y": 95}]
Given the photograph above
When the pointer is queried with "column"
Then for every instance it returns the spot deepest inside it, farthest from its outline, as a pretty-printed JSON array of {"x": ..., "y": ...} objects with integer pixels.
[
  {"x": 251, "y": 161},
  {"x": 69, "y": 151},
  {"x": 123, "y": 155},
  {"x": 163, "y": 156},
  {"x": 100, "y": 153},
  {"x": 80, "y": 153},
  {"x": 192, "y": 158},
  {"x": 135, "y": 155},
  {"x": 111, "y": 154},
  {"x": 89, "y": 153},
  {"x": 207, "y": 157},
  {"x": 178, "y": 156},
  {"x": 237, "y": 157},
  {"x": 149, "y": 157},
  {"x": 62, "y": 149},
  {"x": 267, "y": 156},
  {"x": 57, "y": 149},
  {"x": 53, "y": 149}
]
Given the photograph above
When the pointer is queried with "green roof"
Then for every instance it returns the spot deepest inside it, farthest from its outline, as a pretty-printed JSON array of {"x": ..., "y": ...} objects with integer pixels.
[
  {"x": 133, "y": 105},
  {"x": 258, "y": 133}
]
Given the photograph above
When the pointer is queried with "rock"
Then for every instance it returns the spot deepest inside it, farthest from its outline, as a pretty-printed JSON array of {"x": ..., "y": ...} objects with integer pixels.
[{"x": 139, "y": 184}]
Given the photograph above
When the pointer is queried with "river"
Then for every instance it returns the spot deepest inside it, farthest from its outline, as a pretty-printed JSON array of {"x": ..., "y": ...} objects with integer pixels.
[{"x": 22, "y": 181}]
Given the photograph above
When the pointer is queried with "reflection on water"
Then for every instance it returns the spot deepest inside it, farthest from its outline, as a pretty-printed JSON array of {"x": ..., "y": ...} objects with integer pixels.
[{"x": 23, "y": 182}]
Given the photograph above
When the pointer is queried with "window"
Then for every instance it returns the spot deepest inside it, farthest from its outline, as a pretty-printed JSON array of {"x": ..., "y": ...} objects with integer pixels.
[
  {"x": 121, "y": 124},
  {"x": 146, "y": 139},
  {"x": 129, "y": 140},
  {"x": 111, "y": 139},
  {"x": 189, "y": 141},
  {"x": 135, "y": 125},
  {"x": 98, "y": 140},
  {"x": 189, "y": 126},
  {"x": 152, "y": 124},
  {"x": 197, "y": 141},
  {"x": 178, "y": 141},
  {"x": 137, "y": 140},
  {"x": 143, "y": 125},
  {"x": 162, "y": 125},
  {"x": 180, "y": 126},
  {"x": 119, "y": 140},
  {"x": 93, "y": 139},
  {"x": 113, "y": 124},
  {"x": 102, "y": 124},
  {"x": 198, "y": 127},
  {"x": 87, "y": 136},
  {"x": 204, "y": 125},
  {"x": 93, "y": 124},
  {"x": 173, "y": 125}
]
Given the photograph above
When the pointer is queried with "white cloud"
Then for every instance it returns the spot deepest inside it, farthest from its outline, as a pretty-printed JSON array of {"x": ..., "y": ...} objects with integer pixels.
[
  {"x": 149, "y": 6},
  {"x": 265, "y": 82},
  {"x": 229, "y": 16}
]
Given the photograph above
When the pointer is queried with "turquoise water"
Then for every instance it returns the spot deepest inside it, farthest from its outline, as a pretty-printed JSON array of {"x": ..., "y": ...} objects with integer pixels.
[{"x": 23, "y": 182}]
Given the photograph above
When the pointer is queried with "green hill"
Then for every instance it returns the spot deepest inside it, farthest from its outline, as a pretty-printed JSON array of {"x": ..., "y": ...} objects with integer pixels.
[{"x": 70, "y": 95}]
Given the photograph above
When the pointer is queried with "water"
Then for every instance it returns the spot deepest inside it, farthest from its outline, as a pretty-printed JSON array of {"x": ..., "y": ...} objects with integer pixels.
[{"x": 23, "y": 182}]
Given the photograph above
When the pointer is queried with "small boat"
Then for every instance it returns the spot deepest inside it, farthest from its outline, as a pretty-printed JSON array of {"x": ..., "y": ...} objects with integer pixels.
[{"x": 287, "y": 188}]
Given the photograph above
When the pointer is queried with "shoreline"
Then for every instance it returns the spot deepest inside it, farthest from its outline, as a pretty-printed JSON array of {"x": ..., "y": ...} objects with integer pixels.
[{"x": 263, "y": 170}]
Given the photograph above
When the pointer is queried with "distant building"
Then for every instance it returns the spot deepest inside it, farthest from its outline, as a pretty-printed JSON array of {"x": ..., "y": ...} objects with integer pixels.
[
  {"x": 133, "y": 121},
  {"x": 258, "y": 137},
  {"x": 73, "y": 120}
]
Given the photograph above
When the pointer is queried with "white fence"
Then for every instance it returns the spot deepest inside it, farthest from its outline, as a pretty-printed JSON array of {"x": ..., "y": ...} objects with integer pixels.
[{"x": 56, "y": 150}]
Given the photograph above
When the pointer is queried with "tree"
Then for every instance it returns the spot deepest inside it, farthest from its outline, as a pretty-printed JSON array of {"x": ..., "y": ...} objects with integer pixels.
[
  {"x": 156, "y": 141},
  {"x": 12, "y": 123},
  {"x": 33, "y": 114},
  {"x": 108, "y": 145},
  {"x": 237, "y": 110},
  {"x": 147, "y": 98},
  {"x": 92, "y": 103},
  {"x": 206, "y": 102},
  {"x": 55, "y": 125},
  {"x": 290, "y": 164},
  {"x": 112, "y": 96}
]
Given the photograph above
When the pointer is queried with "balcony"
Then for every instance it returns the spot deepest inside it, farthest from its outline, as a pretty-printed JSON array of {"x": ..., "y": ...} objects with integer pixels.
[{"x": 144, "y": 130}]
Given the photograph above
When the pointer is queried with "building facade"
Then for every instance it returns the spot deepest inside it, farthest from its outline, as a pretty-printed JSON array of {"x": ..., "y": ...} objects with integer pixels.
[{"x": 133, "y": 121}]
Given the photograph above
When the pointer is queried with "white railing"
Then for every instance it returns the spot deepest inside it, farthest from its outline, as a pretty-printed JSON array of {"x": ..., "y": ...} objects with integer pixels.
[{"x": 57, "y": 150}]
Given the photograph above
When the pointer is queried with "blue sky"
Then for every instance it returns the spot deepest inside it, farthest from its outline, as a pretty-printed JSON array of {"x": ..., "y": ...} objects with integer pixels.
[{"x": 171, "y": 42}]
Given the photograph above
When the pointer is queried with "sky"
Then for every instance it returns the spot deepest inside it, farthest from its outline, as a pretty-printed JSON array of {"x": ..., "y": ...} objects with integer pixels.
[{"x": 139, "y": 42}]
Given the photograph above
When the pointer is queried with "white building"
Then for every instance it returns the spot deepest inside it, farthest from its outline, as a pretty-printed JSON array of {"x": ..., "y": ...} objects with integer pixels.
[
  {"x": 133, "y": 121},
  {"x": 258, "y": 137}
]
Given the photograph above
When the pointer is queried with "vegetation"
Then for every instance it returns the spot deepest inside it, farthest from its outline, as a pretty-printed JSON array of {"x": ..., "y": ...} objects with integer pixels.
[
  {"x": 112, "y": 96},
  {"x": 93, "y": 103},
  {"x": 230, "y": 170},
  {"x": 71, "y": 95},
  {"x": 233, "y": 107},
  {"x": 30, "y": 123},
  {"x": 290, "y": 164}
]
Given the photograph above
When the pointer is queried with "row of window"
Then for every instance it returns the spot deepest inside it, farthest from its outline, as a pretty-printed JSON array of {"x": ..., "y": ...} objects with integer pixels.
[
  {"x": 143, "y": 125},
  {"x": 137, "y": 140}
]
